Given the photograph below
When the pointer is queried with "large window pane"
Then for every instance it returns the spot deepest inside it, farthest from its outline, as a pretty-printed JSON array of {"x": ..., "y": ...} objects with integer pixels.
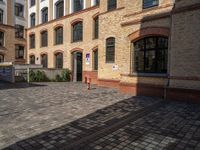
[
  {"x": 44, "y": 39},
  {"x": 19, "y": 52},
  {"x": 44, "y": 15},
  {"x": 1, "y": 16},
  {"x": 19, "y": 31},
  {"x": 59, "y": 9},
  {"x": 1, "y": 39},
  {"x": 78, "y": 5},
  {"x": 112, "y": 4},
  {"x": 151, "y": 55},
  {"x": 95, "y": 53},
  {"x": 78, "y": 32},
  {"x": 59, "y": 60},
  {"x": 59, "y": 35},
  {"x": 110, "y": 50},
  {"x": 44, "y": 61}
]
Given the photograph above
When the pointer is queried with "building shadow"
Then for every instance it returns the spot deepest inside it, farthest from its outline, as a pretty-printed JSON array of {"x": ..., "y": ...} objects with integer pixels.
[
  {"x": 72, "y": 134},
  {"x": 6, "y": 85}
]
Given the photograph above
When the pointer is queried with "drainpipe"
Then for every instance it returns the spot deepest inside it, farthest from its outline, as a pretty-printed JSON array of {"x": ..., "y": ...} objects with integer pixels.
[{"x": 167, "y": 85}]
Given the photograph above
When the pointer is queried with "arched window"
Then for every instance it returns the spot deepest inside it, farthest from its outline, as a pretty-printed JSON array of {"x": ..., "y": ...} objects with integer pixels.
[
  {"x": 59, "y": 35},
  {"x": 77, "y": 31},
  {"x": 112, "y": 4},
  {"x": 110, "y": 50},
  {"x": 1, "y": 16},
  {"x": 19, "y": 10},
  {"x": 44, "y": 38},
  {"x": 95, "y": 61},
  {"x": 44, "y": 60},
  {"x": 59, "y": 60},
  {"x": 59, "y": 9},
  {"x": 19, "y": 31},
  {"x": 1, "y": 39},
  {"x": 44, "y": 15},
  {"x": 19, "y": 52},
  {"x": 151, "y": 55},
  {"x": 32, "y": 41},
  {"x": 78, "y": 5},
  {"x": 32, "y": 19},
  {"x": 96, "y": 27},
  {"x": 32, "y": 59},
  {"x": 1, "y": 58}
]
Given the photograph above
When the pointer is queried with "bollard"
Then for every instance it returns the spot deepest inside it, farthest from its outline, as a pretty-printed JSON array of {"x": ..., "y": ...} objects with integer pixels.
[{"x": 89, "y": 84}]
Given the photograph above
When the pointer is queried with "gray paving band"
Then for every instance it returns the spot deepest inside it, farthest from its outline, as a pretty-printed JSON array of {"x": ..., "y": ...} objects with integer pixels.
[{"x": 115, "y": 125}]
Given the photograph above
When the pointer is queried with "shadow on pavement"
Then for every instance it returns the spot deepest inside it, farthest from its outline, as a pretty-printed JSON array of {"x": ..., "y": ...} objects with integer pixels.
[
  {"x": 72, "y": 134},
  {"x": 6, "y": 85}
]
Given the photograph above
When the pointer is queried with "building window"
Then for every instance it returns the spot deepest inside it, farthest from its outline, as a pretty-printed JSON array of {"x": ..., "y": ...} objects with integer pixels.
[
  {"x": 44, "y": 60},
  {"x": 112, "y": 4},
  {"x": 32, "y": 59},
  {"x": 32, "y": 19},
  {"x": 19, "y": 31},
  {"x": 96, "y": 28},
  {"x": 19, "y": 52},
  {"x": 59, "y": 60},
  {"x": 19, "y": 10},
  {"x": 96, "y": 2},
  {"x": 1, "y": 58},
  {"x": 1, "y": 16},
  {"x": 110, "y": 50},
  {"x": 32, "y": 3},
  {"x": 77, "y": 32},
  {"x": 44, "y": 39},
  {"x": 78, "y": 5},
  {"x": 59, "y": 35},
  {"x": 151, "y": 55},
  {"x": 150, "y": 3},
  {"x": 95, "y": 55},
  {"x": 44, "y": 15},
  {"x": 59, "y": 9},
  {"x": 1, "y": 39},
  {"x": 32, "y": 41}
]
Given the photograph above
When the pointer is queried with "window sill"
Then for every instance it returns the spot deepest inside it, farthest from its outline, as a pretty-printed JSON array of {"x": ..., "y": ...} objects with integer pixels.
[
  {"x": 20, "y": 17},
  {"x": 21, "y": 39},
  {"x": 148, "y": 74},
  {"x": 77, "y": 41},
  {"x": 149, "y": 8}
]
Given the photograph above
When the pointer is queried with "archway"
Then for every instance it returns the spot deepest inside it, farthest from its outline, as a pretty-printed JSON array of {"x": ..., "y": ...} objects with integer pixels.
[{"x": 77, "y": 65}]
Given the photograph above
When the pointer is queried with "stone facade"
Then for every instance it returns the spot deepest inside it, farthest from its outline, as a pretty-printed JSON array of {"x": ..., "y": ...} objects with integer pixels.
[
  {"x": 129, "y": 22},
  {"x": 8, "y": 28}
]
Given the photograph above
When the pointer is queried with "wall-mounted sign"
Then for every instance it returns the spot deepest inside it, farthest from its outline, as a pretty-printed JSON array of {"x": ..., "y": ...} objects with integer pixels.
[
  {"x": 114, "y": 67},
  {"x": 87, "y": 61}
]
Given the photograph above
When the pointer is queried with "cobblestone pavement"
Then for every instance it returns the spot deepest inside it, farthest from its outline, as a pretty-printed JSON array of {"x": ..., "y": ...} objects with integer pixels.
[{"x": 66, "y": 116}]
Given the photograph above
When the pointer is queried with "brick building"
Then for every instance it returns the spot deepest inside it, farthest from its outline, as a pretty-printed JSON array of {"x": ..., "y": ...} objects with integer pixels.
[
  {"x": 12, "y": 31},
  {"x": 142, "y": 47}
]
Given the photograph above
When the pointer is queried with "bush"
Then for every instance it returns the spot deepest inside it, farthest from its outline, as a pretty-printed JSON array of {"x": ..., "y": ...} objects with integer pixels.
[
  {"x": 38, "y": 76},
  {"x": 64, "y": 77}
]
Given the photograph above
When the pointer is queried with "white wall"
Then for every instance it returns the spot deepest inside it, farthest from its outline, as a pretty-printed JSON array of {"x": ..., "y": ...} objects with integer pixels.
[
  {"x": 21, "y": 20},
  {"x": 31, "y": 10},
  {"x": 54, "y": 10},
  {"x": 44, "y": 4}
]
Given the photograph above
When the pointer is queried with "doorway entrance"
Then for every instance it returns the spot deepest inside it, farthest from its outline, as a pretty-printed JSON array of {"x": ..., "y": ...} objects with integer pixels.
[{"x": 77, "y": 66}]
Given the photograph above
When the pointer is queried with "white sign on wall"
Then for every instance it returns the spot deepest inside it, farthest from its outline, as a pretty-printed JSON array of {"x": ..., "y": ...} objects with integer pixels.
[
  {"x": 87, "y": 57},
  {"x": 114, "y": 67}
]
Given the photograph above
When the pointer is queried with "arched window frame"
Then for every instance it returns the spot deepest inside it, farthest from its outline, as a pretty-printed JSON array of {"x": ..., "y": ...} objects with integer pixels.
[
  {"x": 32, "y": 19},
  {"x": 150, "y": 54},
  {"x": 44, "y": 15},
  {"x": 1, "y": 58},
  {"x": 2, "y": 39},
  {"x": 58, "y": 35},
  {"x": 1, "y": 16},
  {"x": 59, "y": 60},
  {"x": 44, "y": 60},
  {"x": 32, "y": 59},
  {"x": 32, "y": 41},
  {"x": 96, "y": 27},
  {"x": 77, "y": 31},
  {"x": 44, "y": 38},
  {"x": 110, "y": 50},
  {"x": 59, "y": 9}
]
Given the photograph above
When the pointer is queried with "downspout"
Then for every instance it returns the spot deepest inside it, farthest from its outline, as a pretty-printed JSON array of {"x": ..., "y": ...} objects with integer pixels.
[{"x": 167, "y": 85}]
